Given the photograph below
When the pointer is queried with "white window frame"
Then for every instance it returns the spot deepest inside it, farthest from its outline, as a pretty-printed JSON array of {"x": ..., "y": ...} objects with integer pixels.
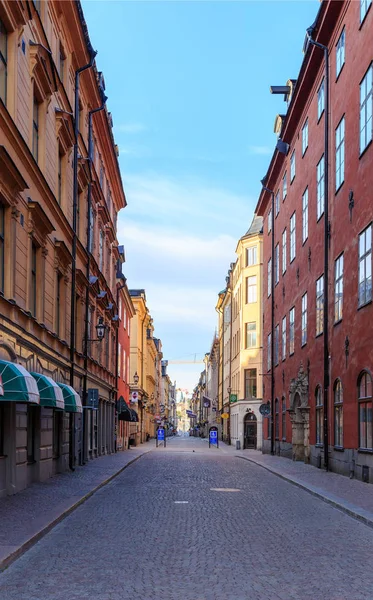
[
  {"x": 251, "y": 256},
  {"x": 321, "y": 99},
  {"x": 284, "y": 249},
  {"x": 305, "y": 137},
  {"x": 305, "y": 215},
  {"x": 252, "y": 295},
  {"x": 340, "y": 154},
  {"x": 284, "y": 338},
  {"x": 365, "y": 265},
  {"x": 284, "y": 187},
  {"x": 292, "y": 166},
  {"x": 251, "y": 340},
  {"x": 277, "y": 203},
  {"x": 366, "y": 106},
  {"x": 338, "y": 288},
  {"x": 270, "y": 220},
  {"x": 277, "y": 343},
  {"x": 269, "y": 277},
  {"x": 340, "y": 53},
  {"x": 291, "y": 330},
  {"x": 304, "y": 319},
  {"x": 320, "y": 305},
  {"x": 292, "y": 237},
  {"x": 320, "y": 181},
  {"x": 277, "y": 264},
  {"x": 269, "y": 353}
]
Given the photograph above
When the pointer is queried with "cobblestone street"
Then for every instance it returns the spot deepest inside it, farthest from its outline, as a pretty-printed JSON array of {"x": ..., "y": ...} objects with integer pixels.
[{"x": 171, "y": 527}]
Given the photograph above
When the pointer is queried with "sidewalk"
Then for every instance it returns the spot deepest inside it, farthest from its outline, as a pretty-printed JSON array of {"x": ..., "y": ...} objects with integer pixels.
[
  {"x": 30, "y": 514},
  {"x": 349, "y": 495}
]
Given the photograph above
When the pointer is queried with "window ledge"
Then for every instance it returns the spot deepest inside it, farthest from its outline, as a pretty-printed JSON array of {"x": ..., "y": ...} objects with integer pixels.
[
  {"x": 319, "y": 445},
  {"x": 319, "y": 334},
  {"x": 365, "y": 149},
  {"x": 321, "y": 216},
  {"x": 338, "y": 188},
  {"x": 337, "y": 322},
  {"x": 320, "y": 117},
  {"x": 340, "y": 71},
  {"x": 304, "y": 344},
  {"x": 365, "y": 304},
  {"x": 365, "y": 450},
  {"x": 304, "y": 153},
  {"x": 339, "y": 448},
  {"x": 304, "y": 241}
]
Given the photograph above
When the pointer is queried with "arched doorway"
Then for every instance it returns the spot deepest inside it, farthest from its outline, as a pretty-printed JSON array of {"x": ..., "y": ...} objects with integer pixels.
[{"x": 250, "y": 431}]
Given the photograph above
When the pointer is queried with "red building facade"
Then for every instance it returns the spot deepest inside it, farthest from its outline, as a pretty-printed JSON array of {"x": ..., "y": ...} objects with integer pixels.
[{"x": 297, "y": 180}]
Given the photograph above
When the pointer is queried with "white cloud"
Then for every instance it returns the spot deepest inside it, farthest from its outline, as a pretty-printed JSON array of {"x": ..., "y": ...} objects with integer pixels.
[
  {"x": 130, "y": 128},
  {"x": 261, "y": 150}
]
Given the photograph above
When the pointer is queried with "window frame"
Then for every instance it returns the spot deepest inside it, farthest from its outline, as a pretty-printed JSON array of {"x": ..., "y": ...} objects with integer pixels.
[
  {"x": 366, "y": 400},
  {"x": 283, "y": 418},
  {"x": 269, "y": 277},
  {"x": 319, "y": 407},
  {"x": 340, "y": 154},
  {"x": 367, "y": 4},
  {"x": 250, "y": 287},
  {"x": 284, "y": 187},
  {"x": 320, "y": 305},
  {"x": 320, "y": 186},
  {"x": 277, "y": 419},
  {"x": 283, "y": 338},
  {"x": 292, "y": 166},
  {"x": 249, "y": 378},
  {"x": 363, "y": 108},
  {"x": 338, "y": 413},
  {"x": 321, "y": 99},
  {"x": 4, "y": 61},
  {"x": 340, "y": 53},
  {"x": 277, "y": 203},
  {"x": 251, "y": 250},
  {"x": 338, "y": 288},
  {"x": 269, "y": 353},
  {"x": 277, "y": 344},
  {"x": 35, "y": 127},
  {"x": 250, "y": 335},
  {"x": 291, "y": 330},
  {"x": 269, "y": 220},
  {"x": 304, "y": 319},
  {"x": 293, "y": 240},
  {"x": 284, "y": 250},
  {"x": 363, "y": 260},
  {"x": 305, "y": 216},
  {"x": 277, "y": 263},
  {"x": 305, "y": 137}
]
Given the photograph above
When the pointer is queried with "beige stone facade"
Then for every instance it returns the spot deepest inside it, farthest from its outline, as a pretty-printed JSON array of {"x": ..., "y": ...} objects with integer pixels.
[{"x": 42, "y": 45}]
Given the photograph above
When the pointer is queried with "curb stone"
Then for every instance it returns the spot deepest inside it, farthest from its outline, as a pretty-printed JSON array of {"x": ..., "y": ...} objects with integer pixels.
[
  {"x": 24, "y": 547},
  {"x": 352, "y": 510}
]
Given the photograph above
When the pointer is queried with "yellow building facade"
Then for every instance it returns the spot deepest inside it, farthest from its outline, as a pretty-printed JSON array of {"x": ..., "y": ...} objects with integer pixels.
[{"x": 52, "y": 248}]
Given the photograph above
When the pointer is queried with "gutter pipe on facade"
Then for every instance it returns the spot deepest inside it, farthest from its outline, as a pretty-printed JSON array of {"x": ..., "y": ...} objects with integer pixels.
[
  {"x": 88, "y": 249},
  {"x": 272, "y": 319},
  {"x": 326, "y": 248},
  {"x": 74, "y": 244}
]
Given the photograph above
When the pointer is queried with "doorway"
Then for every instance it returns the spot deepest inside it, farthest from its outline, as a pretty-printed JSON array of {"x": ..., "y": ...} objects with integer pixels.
[{"x": 250, "y": 432}]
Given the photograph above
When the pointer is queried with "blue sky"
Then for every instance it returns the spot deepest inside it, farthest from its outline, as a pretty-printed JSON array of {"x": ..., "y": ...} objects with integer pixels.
[{"x": 188, "y": 87}]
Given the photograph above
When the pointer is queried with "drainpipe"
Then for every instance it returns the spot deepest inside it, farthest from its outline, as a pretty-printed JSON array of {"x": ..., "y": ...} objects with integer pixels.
[
  {"x": 326, "y": 247},
  {"x": 272, "y": 320},
  {"x": 86, "y": 319},
  {"x": 74, "y": 244}
]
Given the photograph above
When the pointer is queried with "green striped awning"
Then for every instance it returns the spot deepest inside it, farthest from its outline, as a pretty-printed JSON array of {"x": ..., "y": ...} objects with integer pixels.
[
  {"x": 18, "y": 384},
  {"x": 72, "y": 399},
  {"x": 51, "y": 394}
]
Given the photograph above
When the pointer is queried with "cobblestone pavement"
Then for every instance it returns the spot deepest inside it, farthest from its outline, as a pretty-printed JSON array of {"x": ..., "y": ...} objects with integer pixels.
[{"x": 159, "y": 532}]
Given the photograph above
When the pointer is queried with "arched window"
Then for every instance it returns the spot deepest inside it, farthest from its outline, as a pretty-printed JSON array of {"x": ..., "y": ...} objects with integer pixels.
[
  {"x": 277, "y": 424},
  {"x": 319, "y": 416},
  {"x": 338, "y": 414},
  {"x": 283, "y": 418},
  {"x": 365, "y": 411}
]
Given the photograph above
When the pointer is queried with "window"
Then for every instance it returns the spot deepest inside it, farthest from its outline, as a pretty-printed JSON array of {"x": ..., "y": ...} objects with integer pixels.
[
  {"x": 365, "y": 411},
  {"x": 304, "y": 319},
  {"x": 91, "y": 230},
  {"x": 59, "y": 182},
  {"x": 292, "y": 166},
  {"x": 3, "y": 61},
  {"x": 277, "y": 340},
  {"x": 270, "y": 220},
  {"x": 291, "y": 330},
  {"x": 269, "y": 361},
  {"x": 101, "y": 177},
  {"x": 340, "y": 53},
  {"x": 119, "y": 360},
  {"x": 34, "y": 253},
  {"x": 31, "y": 432},
  {"x": 338, "y": 289},
  {"x": 366, "y": 102},
  {"x": 2, "y": 246},
  {"x": 320, "y": 305},
  {"x": 250, "y": 383},
  {"x": 269, "y": 273},
  {"x": 364, "y": 5},
  {"x": 277, "y": 423},
  {"x": 284, "y": 187},
  {"x": 305, "y": 137},
  {"x": 321, "y": 99},
  {"x": 284, "y": 251},
  {"x": 107, "y": 349},
  {"x": 340, "y": 154},
  {"x": 250, "y": 335},
  {"x": 62, "y": 58},
  {"x": 365, "y": 266},
  {"x": 57, "y": 426},
  {"x": 277, "y": 264},
  {"x": 251, "y": 258},
  {"x": 319, "y": 416},
  {"x": 283, "y": 418},
  {"x": 338, "y": 414},
  {"x": 58, "y": 304},
  {"x": 320, "y": 187},
  {"x": 35, "y": 129},
  {"x": 305, "y": 216},
  {"x": 292, "y": 237},
  {"x": 277, "y": 203},
  {"x": 251, "y": 289},
  {"x": 284, "y": 338},
  {"x": 101, "y": 250}
]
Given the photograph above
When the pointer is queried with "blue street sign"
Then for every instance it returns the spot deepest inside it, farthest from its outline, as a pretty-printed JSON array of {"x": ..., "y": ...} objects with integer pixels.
[
  {"x": 213, "y": 436},
  {"x": 160, "y": 435}
]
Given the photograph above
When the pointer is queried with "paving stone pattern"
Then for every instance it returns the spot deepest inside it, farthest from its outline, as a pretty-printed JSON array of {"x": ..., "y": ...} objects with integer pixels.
[{"x": 130, "y": 541}]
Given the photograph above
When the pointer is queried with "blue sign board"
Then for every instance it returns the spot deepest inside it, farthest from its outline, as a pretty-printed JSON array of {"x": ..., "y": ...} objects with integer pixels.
[
  {"x": 213, "y": 436},
  {"x": 160, "y": 435}
]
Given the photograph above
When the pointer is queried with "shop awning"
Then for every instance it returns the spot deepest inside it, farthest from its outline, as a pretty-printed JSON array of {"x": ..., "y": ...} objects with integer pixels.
[
  {"x": 72, "y": 399},
  {"x": 135, "y": 416},
  {"x": 18, "y": 384},
  {"x": 51, "y": 394},
  {"x": 124, "y": 412}
]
